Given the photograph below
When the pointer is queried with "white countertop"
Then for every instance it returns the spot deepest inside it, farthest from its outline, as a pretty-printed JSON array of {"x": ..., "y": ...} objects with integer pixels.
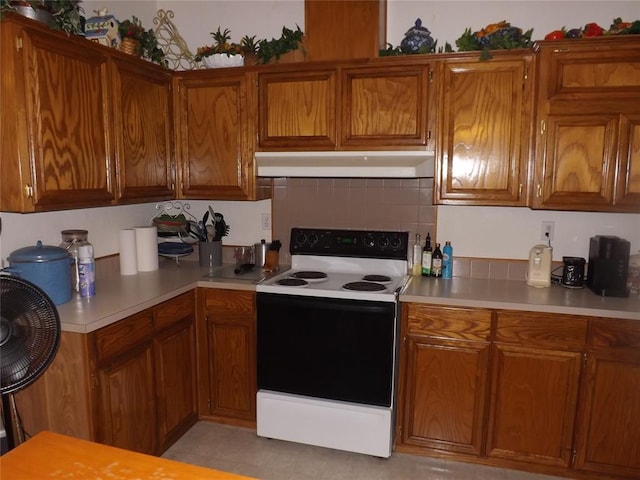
[
  {"x": 118, "y": 296},
  {"x": 517, "y": 295}
]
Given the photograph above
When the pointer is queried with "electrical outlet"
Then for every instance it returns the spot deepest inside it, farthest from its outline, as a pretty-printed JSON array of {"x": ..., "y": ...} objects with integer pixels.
[
  {"x": 546, "y": 230},
  {"x": 266, "y": 221}
]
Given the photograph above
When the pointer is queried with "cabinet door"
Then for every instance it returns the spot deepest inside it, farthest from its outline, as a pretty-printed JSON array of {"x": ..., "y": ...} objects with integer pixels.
[
  {"x": 384, "y": 107},
  {"x": 126, "y": 393},
  {"x": 175, "y": 367},
  {"x": 213, "y": 136},
  {"x": 484, "y": 131},
  {"x": 297, "y": 109},
  {"x": 576, "y": 171},
  {"x": 68, "y": 122},
  {"x": 143, "y": 126},
  {"x": 127, "y": 402},
  {"x": 609, "y": 422},
  {"x": 444, "y": 377},
  {"x": 446, "y": 393},
  {"x": 231, "y": 349},
  {"x": 628, "y": 184},
  {"x": 533, "y": 404}
]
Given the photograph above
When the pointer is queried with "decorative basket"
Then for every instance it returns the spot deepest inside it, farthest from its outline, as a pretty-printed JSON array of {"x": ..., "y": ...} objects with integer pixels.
[
  {"x": 130, "y": 46},
  {"x": 221, "y": 60}
]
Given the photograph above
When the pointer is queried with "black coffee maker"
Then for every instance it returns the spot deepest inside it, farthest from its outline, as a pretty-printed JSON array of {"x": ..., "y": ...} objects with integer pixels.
[
  {"x": 608, "y": 265},
  {"x": 573, "y": 272}
]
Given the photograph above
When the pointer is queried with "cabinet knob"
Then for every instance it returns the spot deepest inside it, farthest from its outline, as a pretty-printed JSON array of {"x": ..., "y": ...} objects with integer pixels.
[{"x": 539, "y": 191}]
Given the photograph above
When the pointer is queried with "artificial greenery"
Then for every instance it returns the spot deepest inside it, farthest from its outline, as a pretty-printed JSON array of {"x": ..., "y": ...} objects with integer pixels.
[
  {"x": 66, "y": 14},
  {"x": 148, "y": 44},
  {"x": 494, "y": 36},
  {"x": 276, "y": 47}
]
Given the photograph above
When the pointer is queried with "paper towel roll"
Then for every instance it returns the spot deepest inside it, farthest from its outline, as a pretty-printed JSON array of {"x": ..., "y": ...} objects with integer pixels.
[
  {"x": 128, "y": 255},
  {"x": 147, "y": 248}
]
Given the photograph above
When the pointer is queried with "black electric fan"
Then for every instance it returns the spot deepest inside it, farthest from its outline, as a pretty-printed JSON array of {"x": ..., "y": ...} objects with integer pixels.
[{"x": 29, "y": 339}]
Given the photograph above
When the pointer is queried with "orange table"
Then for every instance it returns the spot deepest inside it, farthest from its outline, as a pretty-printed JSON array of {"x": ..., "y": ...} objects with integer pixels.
[{"x": 51, "y": 455}]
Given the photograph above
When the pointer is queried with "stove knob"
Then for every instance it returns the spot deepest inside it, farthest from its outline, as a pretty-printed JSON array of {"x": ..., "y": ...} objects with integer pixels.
[
  {"x": 313, "y": 239},
  {"x": 384, "y": 241},
  {"x": 396, "y": 242},
  {"x": 369, "y": 241},
  {"x": 301, "y": 238}
]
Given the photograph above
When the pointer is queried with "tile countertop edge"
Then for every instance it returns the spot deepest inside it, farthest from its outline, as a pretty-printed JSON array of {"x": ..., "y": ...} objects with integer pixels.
[{"x": 515, "y": 295}]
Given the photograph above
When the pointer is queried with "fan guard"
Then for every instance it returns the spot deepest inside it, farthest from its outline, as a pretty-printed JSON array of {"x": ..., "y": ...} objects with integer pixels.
[{"x": 29, "y": 333}]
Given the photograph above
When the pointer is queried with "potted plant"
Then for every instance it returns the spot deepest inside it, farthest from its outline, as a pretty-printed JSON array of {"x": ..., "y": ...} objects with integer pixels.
[
  {"x": 58, "y": 14},
  {"x": 222, "y": 53},
  {"x": 138, "y": 41},
  {"x": 273, "y": 49}
]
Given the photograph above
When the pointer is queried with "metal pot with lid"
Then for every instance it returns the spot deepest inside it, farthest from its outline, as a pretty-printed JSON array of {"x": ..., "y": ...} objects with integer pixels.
[{"x": 46, "y": 266}]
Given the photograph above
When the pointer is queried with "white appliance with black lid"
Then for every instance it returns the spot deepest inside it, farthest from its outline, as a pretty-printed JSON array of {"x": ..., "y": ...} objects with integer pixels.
[{"x": 327, "y": 340}]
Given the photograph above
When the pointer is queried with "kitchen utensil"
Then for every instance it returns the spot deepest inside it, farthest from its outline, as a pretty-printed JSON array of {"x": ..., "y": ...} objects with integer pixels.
[
  {"x": 260, "y": 252},
  {"x": 46, "y": 266},
  {"x": 243, "y": 268},
  {"x": 539, "y": 271},
  {"x": 573, "y": 272}
]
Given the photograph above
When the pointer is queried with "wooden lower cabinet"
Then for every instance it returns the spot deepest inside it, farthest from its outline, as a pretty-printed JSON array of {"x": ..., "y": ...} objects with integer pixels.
[
  {"x": 131, "y": 384},
  {"x": 227, "y": 355},
  {"x": 536, "y": 369},
  {"x": 547, "y": 393},
  {"x": 608, "y": 436},
  {"x": 446, "y": 354}
]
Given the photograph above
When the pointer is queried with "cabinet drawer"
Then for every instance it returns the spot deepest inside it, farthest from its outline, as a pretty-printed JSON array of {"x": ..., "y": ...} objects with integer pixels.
[
  {"x": 449, "y": 322},
  {"x": 174, "y": 310},
  {"x": 607, "y": 332},
  {"x": 124, "y": 334},
  {"x": 229, "y": 301},
  {"x": 540, "y": 329}
]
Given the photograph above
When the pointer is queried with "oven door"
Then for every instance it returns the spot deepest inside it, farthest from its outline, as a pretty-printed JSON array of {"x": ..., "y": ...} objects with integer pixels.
[{"x": 328, "y": 348}]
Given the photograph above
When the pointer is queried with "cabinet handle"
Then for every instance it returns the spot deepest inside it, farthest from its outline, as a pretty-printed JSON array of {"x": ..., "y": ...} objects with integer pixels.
[
  {"x": 18, "y": 43},
  {"x": 539, "y": 191},
  {"x": 543, "y": 127},
  {"x": 520, "y": 190},
  {"x": 430, "y": 75},
  {"x": 28, "y": 191}
]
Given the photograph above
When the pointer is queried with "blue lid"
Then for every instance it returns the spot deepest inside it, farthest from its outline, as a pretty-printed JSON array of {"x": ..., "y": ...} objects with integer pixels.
[{"x": 39, "y": 253}]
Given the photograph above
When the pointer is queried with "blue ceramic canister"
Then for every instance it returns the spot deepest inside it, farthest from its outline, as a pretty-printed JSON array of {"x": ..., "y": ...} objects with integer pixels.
[{"x": 47, "y": 267}]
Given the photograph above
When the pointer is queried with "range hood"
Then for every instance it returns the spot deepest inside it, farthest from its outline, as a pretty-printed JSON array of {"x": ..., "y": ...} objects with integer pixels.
[{"x": 369, "y": 164}]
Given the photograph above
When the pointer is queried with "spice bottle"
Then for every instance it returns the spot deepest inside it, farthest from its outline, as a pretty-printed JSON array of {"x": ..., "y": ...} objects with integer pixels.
[
  {"x": 426, "y": 257},
  {"x": 436, "y": 262}
]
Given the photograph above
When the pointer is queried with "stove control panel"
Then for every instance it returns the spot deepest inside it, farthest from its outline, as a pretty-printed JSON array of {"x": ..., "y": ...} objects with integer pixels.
[{"x": 349, "y": 243}]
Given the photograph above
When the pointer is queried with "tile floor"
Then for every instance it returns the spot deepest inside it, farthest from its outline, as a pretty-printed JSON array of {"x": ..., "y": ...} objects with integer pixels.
[{"x": 239, "y": 450}]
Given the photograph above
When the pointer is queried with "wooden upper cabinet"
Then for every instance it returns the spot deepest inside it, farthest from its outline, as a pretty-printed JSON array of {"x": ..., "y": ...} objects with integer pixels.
[
  {"x": 143, "y": 131},
  {"x": 484, "y": 119},
  {"x": 384, "y": 106},
  {"x": 213, "y": 135},
  {"x": 56, "y": 148},
  {"x": 587, "y": 127},
  {"x": 345, "y": 29},
  {"x": 297, "y": 109}
]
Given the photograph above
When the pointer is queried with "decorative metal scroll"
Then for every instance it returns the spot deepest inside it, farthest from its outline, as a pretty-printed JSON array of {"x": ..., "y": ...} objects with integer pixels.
[{"x": 176, "y": 51}]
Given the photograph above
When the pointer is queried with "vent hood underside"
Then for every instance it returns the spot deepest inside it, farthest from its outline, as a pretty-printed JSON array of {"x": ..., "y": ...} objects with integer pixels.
[{"x": 371, "y": 164}]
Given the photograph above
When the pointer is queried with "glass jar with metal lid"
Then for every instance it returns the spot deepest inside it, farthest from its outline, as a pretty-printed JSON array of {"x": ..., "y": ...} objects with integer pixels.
[{"x": 72, "y": 240}]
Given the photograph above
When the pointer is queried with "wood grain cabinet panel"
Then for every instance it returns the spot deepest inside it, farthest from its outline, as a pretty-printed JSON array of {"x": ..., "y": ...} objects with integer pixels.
[
  {"x": 536, "y": 366},
  {"x": 297, "y": 108},
  {"x": 215, "y": 136},
  {"x": 586, "y": 147},
  {"x": 608, "y": 434},
  {"x": 484, "y": 119},
  {"x": 445, "y": 358},
  {"x": 56, "y": 147},
  {"x": 384, "y": 106},
  {"x": 144, "y": 131},
  {"x": 227, "y": 355}
]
